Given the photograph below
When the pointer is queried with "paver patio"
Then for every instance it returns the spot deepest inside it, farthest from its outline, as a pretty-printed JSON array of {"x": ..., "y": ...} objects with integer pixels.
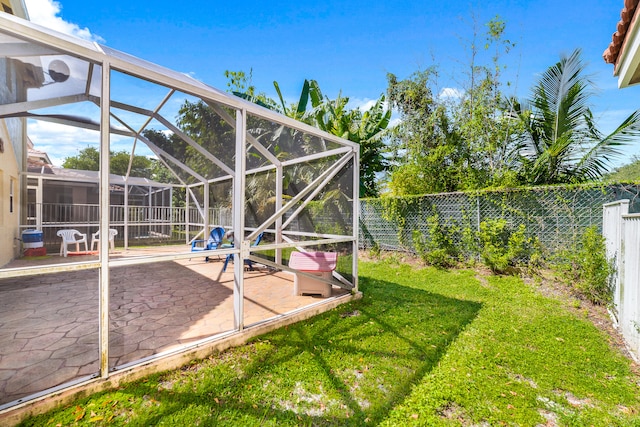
[{"x": 49, "y": 323}]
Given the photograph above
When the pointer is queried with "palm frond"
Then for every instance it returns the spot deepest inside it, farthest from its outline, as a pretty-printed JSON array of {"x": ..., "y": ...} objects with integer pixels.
[
  {"x": 595, "y": 162},
  {"x": 562, "y": 95}
]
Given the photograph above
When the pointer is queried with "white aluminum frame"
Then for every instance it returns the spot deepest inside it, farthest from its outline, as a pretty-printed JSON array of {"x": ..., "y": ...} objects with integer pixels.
[{"x": 43, "y": 41}]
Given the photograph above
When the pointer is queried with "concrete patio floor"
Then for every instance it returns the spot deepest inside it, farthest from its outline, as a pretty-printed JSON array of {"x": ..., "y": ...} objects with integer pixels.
[{"x": 49, "y": 323}]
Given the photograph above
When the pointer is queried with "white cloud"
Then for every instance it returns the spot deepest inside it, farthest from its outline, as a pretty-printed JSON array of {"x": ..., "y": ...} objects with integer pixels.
[
  {"x": 62, "y": 141},
  {"x": 46, "y": 13},
  {"x": 451, "y": 92},
  {"x": 395, "y": 121},
  {"x": 366, "y": 103},
  {"x": 362, "y": 104}
]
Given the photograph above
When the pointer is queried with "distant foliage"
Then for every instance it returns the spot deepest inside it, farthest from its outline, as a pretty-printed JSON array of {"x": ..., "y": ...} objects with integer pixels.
[
  {"x": 559, "y": 142},
  {"x": 626, "y": 173},
  {"x": 366, "y": 128},
  {"x": 477, "y": 137},
  {"x": 453, "y": 139},
  {"x": 88, "y": 159}
]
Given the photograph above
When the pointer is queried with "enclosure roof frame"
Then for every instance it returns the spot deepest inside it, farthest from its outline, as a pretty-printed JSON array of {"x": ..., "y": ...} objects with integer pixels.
[{"x": 145, "y": 70}]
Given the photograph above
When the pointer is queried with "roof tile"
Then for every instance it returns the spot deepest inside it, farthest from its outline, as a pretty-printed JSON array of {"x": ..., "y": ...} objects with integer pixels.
[{"x": 612, "y": 52}]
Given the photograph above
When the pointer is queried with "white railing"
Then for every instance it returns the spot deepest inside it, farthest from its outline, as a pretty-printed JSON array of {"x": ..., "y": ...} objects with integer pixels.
[{"x": 160, "y": 222}]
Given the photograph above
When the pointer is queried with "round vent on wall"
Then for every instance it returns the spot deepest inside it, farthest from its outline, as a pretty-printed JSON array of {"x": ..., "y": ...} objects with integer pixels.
[{"x": 59, "y": 71}]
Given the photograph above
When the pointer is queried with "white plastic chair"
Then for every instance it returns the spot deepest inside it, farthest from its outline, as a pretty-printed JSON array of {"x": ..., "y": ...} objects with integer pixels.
[
  {"x": 95, "y": 238},
  {"x": 71, "y": 236}
]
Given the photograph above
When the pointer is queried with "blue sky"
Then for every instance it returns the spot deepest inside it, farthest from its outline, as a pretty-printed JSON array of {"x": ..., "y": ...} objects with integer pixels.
[{"x": 350, "y": 46}]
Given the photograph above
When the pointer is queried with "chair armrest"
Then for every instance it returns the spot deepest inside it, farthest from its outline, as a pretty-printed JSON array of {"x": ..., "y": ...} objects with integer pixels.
[{"x": 194, "y": 243}]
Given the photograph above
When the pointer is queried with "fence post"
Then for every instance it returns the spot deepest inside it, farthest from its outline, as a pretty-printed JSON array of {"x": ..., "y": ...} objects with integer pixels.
[
  {"x": 629, "y": 309},
  {"x": 612, "y": 223},
  {"x": 478, "y": 211}
]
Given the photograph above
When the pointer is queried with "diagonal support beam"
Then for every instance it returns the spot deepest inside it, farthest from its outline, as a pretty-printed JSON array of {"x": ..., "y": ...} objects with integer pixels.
[
  {"x": 339, "y": 164},
  {"x": 144, "y": 125},
  {"x": 199, "y": 148},
  {"x": 159, "y": 151},
  {"x": 23, "y": 107},
  {"x": 254, "y": 142},
  {"x": 309, "y": 158},
  {"x": 176, "y": 130},
  {"x": 334, "y": 171}
]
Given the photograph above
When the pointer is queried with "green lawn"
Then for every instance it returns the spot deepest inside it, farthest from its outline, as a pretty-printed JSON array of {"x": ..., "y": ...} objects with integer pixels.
[{"x": 423, "y": 347}]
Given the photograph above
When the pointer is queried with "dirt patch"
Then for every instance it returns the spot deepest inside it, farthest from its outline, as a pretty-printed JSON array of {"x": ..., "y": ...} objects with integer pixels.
[
  {"x": 548, "y": 285},
  {"x": 391, "y": 256}
]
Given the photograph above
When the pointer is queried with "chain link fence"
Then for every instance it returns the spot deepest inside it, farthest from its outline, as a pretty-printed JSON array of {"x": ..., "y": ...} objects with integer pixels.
[{"x": 556, "y": 215}]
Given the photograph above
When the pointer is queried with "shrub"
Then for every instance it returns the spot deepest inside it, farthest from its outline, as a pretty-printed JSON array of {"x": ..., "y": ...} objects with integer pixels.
[
  {"x": 502, "y": 247},
  {"x": 470, "y": 244},
  {"x": 375, "y": 251},
  {"x": 586, "y": 268},
  {"x": 439, "y": 248}
]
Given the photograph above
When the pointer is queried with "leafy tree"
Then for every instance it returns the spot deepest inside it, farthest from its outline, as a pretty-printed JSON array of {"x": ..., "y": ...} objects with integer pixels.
[
  {"x": 559, "y": 141},
  {"x": 368, "y": 128},
  {"x": 241, "y": 85},
  {"x": 173, "y": 145},
  {"x": 480, "y": 114},
  {"x": 426, "y": 146},
  {"x": 89, "y": 159},
  {"x": 141, "y": 166},
  {"x": 208, "y": 129},
  {"x": 296, "y": 111},
  {"x": 449, "y": 143}
]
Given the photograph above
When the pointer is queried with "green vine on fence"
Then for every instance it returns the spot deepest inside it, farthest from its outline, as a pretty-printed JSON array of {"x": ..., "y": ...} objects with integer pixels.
[
  {"x": 397, "y": 210},
  {"x": 467, "y": 226},
  {"x": 438, "y": 248}
]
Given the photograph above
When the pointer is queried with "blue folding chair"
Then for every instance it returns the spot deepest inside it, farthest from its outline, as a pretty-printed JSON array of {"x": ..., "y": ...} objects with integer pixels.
[
  {"x": 213, "y": 242},
  {"x": 246, "y": 261}
]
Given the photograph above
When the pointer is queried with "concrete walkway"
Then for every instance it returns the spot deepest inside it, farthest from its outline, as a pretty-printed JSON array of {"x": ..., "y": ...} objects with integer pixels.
[{"x": 49, "y": 323}]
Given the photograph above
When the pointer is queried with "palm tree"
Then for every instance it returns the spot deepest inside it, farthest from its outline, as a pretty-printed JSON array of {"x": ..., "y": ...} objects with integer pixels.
[
  {"x": 368, "y": 128},
  {"x": 557, "y": 140}
]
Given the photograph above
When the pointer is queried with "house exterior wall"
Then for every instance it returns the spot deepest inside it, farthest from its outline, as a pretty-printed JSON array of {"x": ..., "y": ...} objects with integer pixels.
[
  {"x": 9, "y": 198},
  {"x": 12, "y": 151},
  {"x": 14, "y": 7},
  {"x": 12, "y": 133}
]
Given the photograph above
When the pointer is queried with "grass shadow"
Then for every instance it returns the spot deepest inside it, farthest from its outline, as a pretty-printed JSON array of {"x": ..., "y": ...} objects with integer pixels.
[{"x": 349, "y": 366}]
